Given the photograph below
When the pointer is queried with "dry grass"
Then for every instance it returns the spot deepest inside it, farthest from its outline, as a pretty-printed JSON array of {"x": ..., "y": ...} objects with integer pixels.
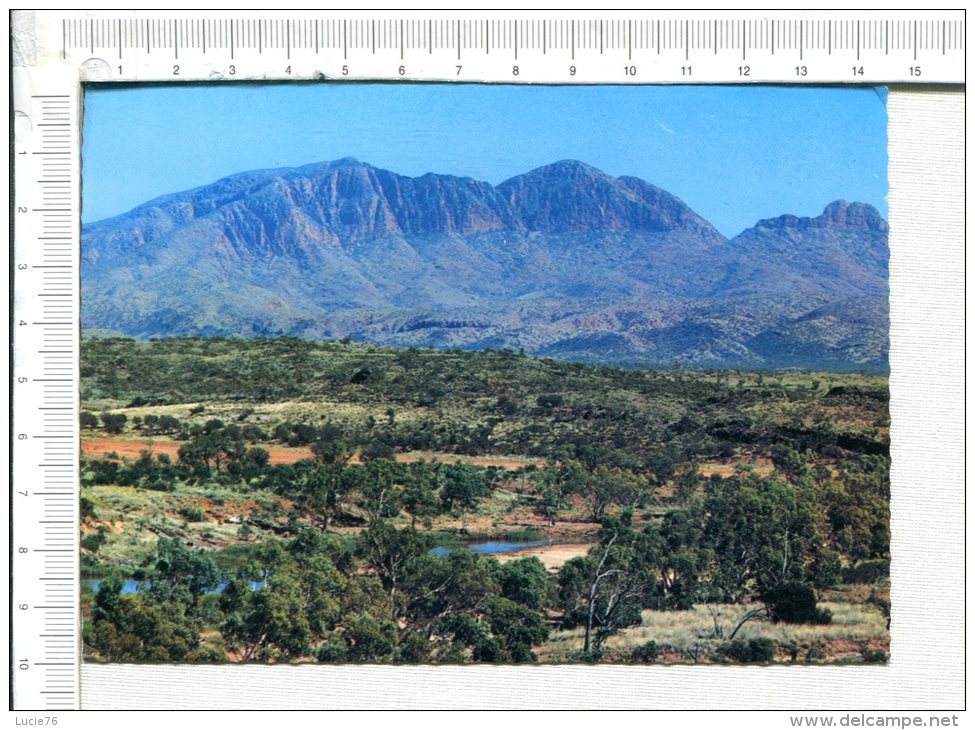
[
  {"x": 679, "y": 633},
  {"x": 134, "y": 519}
]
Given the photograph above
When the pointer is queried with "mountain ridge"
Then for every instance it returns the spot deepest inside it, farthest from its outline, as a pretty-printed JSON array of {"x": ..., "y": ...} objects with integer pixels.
[{"x": 344, "y": 248}]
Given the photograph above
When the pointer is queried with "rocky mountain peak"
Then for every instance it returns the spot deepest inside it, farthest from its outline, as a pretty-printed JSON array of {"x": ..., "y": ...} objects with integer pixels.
[
  {"x": 838, "y": 215},
  {"x": 564, "y": 260},
  {"x": 859, "y": 216}
]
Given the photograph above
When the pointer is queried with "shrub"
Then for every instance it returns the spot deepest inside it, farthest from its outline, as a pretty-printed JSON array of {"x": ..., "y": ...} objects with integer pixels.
[
  {"x": 114, "y": 422},
  {"x": 360, "y": 376},
  {"x": 87, "y": 507},
  {"x": 549, "y": 400},
  {"x": 827, "y": 569},
  {"x": 206, "y": 655},
  {"x": 868, "y": 571},
  {"x": 507, "y": 405},
  {"x": 874, "y": 656},
  {"x": 94, "y": 540},
  {"x": 245, "y": 414},
  {"x": 527, "y": 534},
  {"x": 250, "y": 432},
  {"x": 369, "y": 639},
  {"x": 591, "y": 657},
  {"x": 192, "y": 513},
  {"x": 645, "y": 653},
  {"x": 161, "y": 486},
  {"x": 167, "y": 423},
  {"x": 794, "y": 603},
  {"x": 414, "y": 649},
  {"x": 816, "y": 652},
  {"x": 332, "y": 651},
  {"x": 214, "y": 424},
  {"x": 754, "y": 651}
]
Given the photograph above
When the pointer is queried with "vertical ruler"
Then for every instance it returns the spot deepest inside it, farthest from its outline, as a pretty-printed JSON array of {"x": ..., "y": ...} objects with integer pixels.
[{"x": 44, "y": 532}]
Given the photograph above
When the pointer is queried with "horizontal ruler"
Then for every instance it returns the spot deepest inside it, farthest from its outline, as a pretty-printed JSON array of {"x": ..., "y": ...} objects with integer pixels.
[{"x": 639, "y": 47}]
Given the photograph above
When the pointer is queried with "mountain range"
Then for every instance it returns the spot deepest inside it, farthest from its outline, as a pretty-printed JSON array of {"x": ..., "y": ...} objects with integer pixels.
[{"x": 563, "y": 261}]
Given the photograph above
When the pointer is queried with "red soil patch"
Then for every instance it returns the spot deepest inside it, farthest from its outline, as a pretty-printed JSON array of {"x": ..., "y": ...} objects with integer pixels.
[
  {"x": 133, "y": 448},
  {"x": 126, "y": 449},
  {"x": 499, "y": 461},
  {"x": 760, "y": 464}
]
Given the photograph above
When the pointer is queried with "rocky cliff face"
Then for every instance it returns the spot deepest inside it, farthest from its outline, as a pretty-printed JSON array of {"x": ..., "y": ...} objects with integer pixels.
[{"x": 563, "y": 260}]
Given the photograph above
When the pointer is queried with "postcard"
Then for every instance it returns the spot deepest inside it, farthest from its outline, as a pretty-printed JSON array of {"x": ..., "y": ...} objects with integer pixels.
[{"x": 466, "y": 374}]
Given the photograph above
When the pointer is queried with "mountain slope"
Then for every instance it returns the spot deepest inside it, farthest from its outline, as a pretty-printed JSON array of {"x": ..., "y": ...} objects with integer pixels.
[{"x": 563, "y": 260}]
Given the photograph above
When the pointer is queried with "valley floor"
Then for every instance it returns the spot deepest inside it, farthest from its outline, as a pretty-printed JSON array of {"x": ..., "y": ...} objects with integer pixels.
[{"x": 290, "y": 501}]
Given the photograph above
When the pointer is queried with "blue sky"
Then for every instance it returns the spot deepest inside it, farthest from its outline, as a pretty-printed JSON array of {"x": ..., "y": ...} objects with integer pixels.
[{"x": 734, "y": 154}]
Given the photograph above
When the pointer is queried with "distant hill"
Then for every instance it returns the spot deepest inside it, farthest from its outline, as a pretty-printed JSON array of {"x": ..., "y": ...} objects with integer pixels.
[{"x": 564, "y": 261}]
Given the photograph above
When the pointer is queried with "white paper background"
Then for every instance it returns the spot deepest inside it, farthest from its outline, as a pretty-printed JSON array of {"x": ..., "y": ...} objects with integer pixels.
[{"x": 927, "y": 213}]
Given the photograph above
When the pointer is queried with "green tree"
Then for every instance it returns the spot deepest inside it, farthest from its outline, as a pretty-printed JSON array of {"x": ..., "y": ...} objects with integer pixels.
[
  {"x": 464, "y": 486},
  {"x": 760, "y": 532},
  {"x": 138, "y": 631},
  {"x": 332, "y": 451},
  {"x": 182, "y": 575},
  {"x": 606, "y": 589},
  {"x": 672, "y": 551},
  {"x": 606, "y": 486},
  {"x": 368, "y": 638},
  {"x": 321, "y": 488},
  {"x": 114, "y": 423},
  {"x": 380, "y": 488},
  {"x": 515, "y": 629},
  {"x": 418, "y": 496},
  {"x": 525, "y": 581},
  {"x": 322, "y": 583},
  {"x": 270, "y": 619},
  {"x": 555, "y": 484},
  {"x": 389, "y": 551},
  {"x": 135, "y": 628}
]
